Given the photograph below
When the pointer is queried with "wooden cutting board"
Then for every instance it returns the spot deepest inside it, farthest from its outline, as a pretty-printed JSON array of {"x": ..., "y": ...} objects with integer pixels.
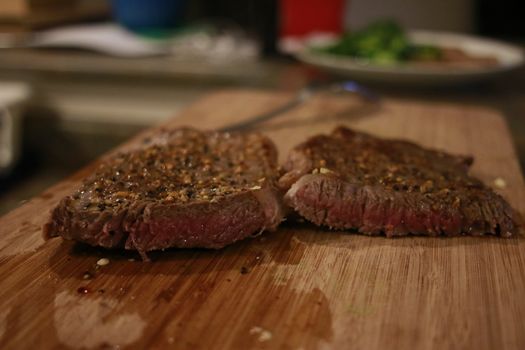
[{"x": 298, "y": 288}]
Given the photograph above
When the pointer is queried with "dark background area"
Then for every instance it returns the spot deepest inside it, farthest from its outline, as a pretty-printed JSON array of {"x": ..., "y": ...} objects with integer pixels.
[
  {"x": 503, "y": 19},
  {"x": 499, "y": 19}
]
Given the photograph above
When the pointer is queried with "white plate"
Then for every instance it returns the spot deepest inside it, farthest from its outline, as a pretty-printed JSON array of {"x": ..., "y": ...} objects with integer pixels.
[{"x": 508, "y": 56}]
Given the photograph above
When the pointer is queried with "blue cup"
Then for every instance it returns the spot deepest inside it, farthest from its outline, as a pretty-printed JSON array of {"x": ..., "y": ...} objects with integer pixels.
[{"x": 148, "y": 14}]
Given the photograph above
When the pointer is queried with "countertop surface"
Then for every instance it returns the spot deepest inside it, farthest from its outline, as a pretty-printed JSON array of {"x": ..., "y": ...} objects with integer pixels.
[{"x": 506, "y": 93}]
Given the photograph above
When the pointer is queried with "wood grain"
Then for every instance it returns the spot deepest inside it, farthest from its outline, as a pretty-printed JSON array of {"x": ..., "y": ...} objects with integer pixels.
[{"x": 298, "y": 288}]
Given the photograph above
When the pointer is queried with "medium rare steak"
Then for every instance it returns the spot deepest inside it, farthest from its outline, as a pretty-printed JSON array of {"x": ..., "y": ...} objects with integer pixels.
[
  {"x": 352, "y": 180},
  {"x": 182, "y": 188}
]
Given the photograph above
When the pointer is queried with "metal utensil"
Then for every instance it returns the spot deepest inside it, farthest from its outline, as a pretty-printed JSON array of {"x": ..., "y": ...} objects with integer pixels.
[{"x": 302, "y": 96}]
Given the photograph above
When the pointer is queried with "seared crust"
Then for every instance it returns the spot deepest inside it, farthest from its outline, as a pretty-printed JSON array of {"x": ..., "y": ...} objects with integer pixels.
[
  {"x": 354, "y": 180},
  {"x": 184, "y": 188}
]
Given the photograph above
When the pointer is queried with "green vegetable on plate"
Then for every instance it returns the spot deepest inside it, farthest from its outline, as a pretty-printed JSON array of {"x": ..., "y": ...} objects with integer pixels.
[{"x": 382, "y": 42}]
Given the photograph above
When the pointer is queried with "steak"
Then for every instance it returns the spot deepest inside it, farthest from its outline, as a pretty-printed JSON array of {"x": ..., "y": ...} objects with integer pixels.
[
  {"x": 181, "y": 188},
  {"x": 352, "y": 180}
]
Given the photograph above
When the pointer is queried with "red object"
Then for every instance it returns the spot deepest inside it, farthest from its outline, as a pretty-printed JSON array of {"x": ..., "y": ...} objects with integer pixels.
[{"x": 301, "y": 17}]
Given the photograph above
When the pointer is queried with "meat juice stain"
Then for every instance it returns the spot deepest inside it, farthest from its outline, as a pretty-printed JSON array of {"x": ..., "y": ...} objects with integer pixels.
[
  {"x": 167, "y": 294},
  {"x": 82, "y": 290}
]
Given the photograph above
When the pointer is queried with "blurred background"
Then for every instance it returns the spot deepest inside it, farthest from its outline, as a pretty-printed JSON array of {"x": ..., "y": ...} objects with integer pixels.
[{"x": 78, "y": 77}]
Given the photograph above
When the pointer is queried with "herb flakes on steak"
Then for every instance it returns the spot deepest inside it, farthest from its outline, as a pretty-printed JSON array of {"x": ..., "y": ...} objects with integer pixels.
[
  {"x": 352, "y": 180},
  {"x": 181, "y": 188}
]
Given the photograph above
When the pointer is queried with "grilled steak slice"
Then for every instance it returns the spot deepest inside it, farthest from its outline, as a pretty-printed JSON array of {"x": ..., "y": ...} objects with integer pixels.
[
  {"x": 353, "y": 180},
  {"x": 183, "y": 188}
]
